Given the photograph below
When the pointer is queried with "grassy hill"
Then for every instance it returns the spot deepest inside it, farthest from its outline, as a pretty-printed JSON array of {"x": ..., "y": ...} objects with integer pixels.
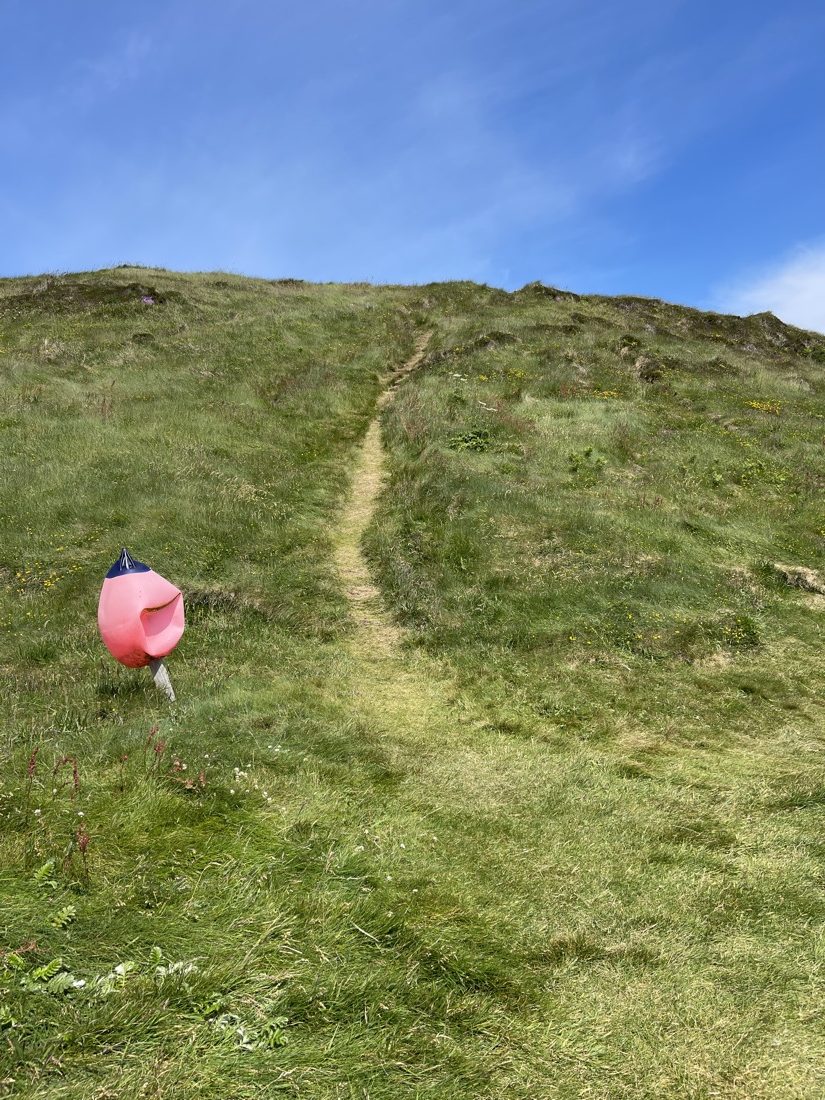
[{"x": 496, "y": 767}]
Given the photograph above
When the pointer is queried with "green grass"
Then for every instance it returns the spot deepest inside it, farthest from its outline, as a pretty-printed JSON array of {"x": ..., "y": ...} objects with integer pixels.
[{"x": 566, "y": 843}]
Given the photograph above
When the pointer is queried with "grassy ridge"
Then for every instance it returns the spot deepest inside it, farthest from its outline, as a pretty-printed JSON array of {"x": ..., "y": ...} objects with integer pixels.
[
  {"x": 547, "y": 849},
  {"x": 210, "y": 431},
  {"x": 581, "y": 479},
  {"x": 585, "y": 502}
]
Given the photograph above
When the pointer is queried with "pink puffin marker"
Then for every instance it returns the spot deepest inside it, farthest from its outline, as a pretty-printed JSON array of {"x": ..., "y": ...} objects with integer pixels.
[{"x": 140, "y": 615}]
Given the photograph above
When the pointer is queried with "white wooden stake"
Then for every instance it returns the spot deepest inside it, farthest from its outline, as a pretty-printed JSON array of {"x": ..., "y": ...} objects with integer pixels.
[{"x": 160, "y": 674}]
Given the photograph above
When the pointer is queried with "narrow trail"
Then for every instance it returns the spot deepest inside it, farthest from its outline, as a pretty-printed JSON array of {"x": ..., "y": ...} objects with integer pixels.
[
  {"x": 407, "y": 699},
  {"x": 410, "y": 701},
  {"x": 377, "y": 632}
]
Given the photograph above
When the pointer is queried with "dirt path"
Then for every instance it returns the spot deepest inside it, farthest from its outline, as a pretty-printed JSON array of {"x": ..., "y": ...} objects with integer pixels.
[
  {"x": 404, "y": 697},
  {"x": 407, "y": 701},
  {"x": 377, "y": 633}
]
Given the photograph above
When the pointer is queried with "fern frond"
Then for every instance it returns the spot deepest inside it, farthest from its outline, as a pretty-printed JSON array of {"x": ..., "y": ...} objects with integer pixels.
[
  {"x": 63, "y": 917},
  {"x": 47, "y": 971}
]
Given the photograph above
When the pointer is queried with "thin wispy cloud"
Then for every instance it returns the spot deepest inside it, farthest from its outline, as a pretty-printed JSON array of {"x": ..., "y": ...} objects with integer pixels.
[
  {"x": 122, "y": 64},
  {"x": 793, "y": 288}
]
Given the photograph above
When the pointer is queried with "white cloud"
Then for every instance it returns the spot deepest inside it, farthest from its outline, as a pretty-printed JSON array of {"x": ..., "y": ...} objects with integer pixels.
[{"x": 793, "y": 289}]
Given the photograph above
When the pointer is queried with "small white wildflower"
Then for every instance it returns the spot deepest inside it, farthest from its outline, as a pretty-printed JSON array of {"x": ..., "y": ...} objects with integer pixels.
[
  {"x": 80, "y": 813},
  {"x": 389, "y": 878},
  {"x": 232, "y": 790},
  {"x": 37, "y": 813},
  {"x": 402, "y": 845}
]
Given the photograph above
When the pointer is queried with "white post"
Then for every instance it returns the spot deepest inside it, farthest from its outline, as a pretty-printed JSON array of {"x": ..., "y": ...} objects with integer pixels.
[{"x": 160, "y": 674}]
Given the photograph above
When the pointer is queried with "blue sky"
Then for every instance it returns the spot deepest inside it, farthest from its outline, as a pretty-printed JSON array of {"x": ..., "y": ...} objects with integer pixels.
[{"x": 674, "y": 149}]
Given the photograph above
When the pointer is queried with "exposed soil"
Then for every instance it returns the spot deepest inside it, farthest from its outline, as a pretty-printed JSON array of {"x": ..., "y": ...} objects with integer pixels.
[{"x": 378, "y": 631}]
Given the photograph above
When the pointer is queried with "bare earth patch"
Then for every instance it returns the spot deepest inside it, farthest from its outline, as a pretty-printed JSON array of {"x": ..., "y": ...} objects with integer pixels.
[{"x": 378, "y": 632}]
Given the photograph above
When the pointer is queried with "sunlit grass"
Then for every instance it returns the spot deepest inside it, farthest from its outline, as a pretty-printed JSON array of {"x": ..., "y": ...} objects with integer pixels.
[{"x": 565, "y": 842}]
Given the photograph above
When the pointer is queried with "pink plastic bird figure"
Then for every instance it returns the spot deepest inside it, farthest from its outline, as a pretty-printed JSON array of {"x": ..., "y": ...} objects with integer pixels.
[{"x": 140, "y": 615}]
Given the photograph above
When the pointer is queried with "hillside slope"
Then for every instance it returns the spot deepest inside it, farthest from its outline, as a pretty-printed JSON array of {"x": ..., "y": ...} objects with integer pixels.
[{"x": 540, "y": 815}]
